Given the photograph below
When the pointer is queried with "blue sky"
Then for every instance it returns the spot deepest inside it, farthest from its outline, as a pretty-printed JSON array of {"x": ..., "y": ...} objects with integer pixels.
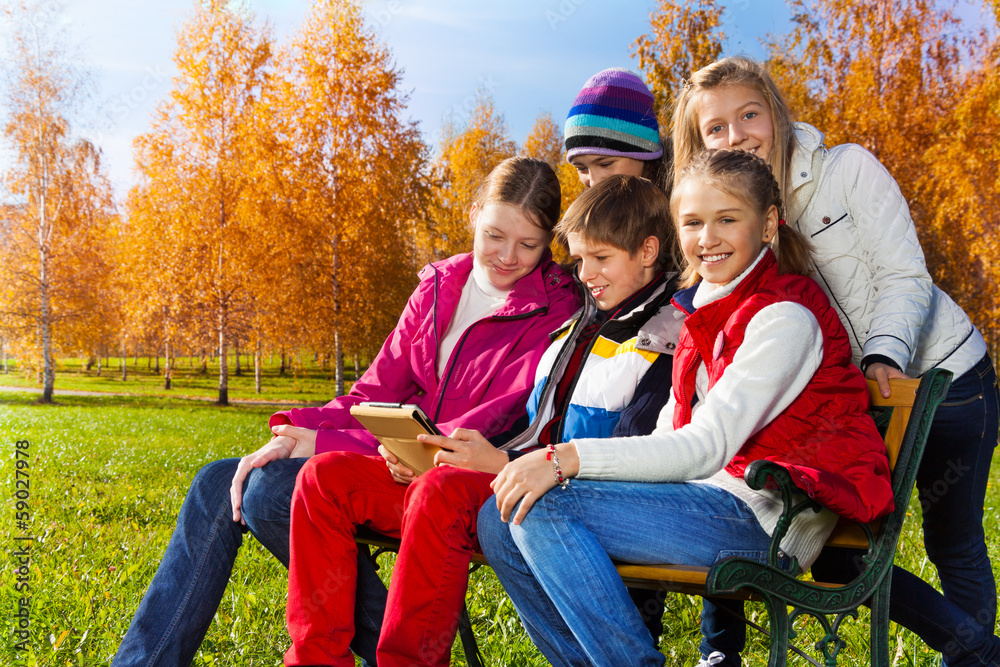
[{"x": 532, "y": 55}]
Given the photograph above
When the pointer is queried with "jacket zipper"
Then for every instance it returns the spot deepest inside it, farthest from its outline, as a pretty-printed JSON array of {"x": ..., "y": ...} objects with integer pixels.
[
  {"x": 583, "y": 360},
  {"x": 529, "y": 434},
  {"x": 461, "y": 342}
]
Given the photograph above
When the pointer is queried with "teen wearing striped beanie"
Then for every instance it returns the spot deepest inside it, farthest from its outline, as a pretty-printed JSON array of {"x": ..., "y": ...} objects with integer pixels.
[{"x": 612, "y": 129}]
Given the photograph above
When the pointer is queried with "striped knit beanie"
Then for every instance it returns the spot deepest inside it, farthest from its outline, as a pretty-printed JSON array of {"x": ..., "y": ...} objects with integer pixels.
[{"x": 613, "y": 115}]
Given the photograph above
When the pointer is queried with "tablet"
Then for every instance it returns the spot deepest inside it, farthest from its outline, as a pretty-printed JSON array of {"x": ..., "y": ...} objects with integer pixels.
[{"x": 397, "y": 426}]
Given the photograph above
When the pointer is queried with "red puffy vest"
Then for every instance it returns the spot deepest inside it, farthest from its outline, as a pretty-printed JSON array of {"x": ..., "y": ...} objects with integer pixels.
[{"x": 825, "y": 438}]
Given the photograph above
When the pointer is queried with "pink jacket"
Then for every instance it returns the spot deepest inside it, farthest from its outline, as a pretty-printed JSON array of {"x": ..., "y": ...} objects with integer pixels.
[{"x": 485, "y": 384}]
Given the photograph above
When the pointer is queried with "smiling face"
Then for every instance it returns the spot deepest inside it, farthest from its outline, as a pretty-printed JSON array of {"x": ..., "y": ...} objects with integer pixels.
[
  {"x": 736, "y": 117},
  {"x": 612, "y": 274},
  {"x": 507, "y": 244},
  {"x": 719, "y": 234},
  {"x": 592, "y": 168}
]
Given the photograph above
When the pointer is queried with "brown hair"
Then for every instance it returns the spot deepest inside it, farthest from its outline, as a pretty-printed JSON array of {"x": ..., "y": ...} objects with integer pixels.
[
  {"x": 748, "y": 178},
  {"x": 622, "y": 212},
  {"x": 525, "y": 183},
  {"x": 733, "y": 71},
  {"x": 661, "y": 170}
]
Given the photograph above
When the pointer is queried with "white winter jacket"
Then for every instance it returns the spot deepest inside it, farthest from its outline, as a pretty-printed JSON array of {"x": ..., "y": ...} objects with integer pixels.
[{"x": 869, "y": 262}]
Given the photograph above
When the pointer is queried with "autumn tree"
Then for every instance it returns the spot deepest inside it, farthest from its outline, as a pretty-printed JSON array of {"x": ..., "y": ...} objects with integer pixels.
[
  {"x": 843, "y": 55},
  {"x": 59, "y": 196},
  {"x": 206, "y": 133},
  {"x": 153, "y": 258},
  {"x": 467, "y": 155},
  {"x": 683, "y": 38},
  {"x": 887, "y": 75},
  {"x": 351, "y": 181},
  {"x": 545, "y": 142},
  {"x": 959, "y": 190},
  {"x": 85, "y": 302}
]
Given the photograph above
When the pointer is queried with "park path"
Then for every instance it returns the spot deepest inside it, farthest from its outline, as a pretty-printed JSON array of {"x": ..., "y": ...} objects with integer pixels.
[{"x": 205, "y": 399}]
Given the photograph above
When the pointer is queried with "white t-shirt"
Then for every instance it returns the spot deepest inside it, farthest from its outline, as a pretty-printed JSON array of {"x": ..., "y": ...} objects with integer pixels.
[{"x": 480, "y": 298}]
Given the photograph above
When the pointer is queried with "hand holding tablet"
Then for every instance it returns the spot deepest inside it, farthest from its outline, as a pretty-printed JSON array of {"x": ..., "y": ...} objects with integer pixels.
[{"x": 397, "y": 426}]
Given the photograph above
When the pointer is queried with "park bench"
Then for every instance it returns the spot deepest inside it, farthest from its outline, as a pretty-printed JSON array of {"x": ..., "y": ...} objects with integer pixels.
[{"x": 904, "y": 420}]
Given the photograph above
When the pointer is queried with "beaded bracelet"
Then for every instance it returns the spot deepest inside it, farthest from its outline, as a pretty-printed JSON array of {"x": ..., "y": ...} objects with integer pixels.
[{"x": 556, "y": 469}]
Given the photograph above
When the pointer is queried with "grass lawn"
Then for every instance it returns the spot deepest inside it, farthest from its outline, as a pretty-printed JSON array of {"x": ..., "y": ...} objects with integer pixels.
[
  {"x": 307, "y": 382},
  {"x": 107, "y": 478}
]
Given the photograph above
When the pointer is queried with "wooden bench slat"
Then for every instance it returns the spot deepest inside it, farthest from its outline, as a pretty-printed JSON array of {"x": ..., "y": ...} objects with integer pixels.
[
  {"x": 681, "y": 574},
  {"x": 847, "y": 533}
]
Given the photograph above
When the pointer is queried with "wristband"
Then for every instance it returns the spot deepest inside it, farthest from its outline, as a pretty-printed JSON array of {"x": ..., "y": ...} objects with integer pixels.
[{"x": 556, "y": 468}]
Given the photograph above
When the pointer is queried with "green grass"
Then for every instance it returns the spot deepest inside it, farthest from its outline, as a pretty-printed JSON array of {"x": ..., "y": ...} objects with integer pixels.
[
  {"x": 108, "y": 475},
  {"x": 307, "y": 382}
]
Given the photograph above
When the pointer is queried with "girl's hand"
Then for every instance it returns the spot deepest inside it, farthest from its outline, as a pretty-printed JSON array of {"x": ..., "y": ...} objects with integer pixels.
[
  {"x": 289, "y": 442},
  {"x": 466, "y": 449},
  {"x": 882, "y": 373},
  {"x": 530, "y": 477},
  {"x": 400, "y": 473}
]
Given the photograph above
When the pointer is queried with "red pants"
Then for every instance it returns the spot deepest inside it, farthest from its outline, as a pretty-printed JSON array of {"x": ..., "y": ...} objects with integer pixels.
[{"x": 436, "y": 518}]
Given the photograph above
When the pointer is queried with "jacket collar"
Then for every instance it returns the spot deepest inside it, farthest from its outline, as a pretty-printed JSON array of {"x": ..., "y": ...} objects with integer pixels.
[
  {"x": 705, "y": 294},
  {"x": 684, "y": 299},
  {"x": 807, "y": 141},
  {"x": 528, "y": 294},
  {"x": 639, "y": 298},
  {"x": 805, "y": 167}
]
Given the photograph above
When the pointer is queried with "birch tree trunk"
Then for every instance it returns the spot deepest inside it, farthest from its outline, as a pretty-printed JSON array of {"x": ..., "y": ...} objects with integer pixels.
[
  {"x": 257, "y": 362},
  {"x": 223, "y": 360}
]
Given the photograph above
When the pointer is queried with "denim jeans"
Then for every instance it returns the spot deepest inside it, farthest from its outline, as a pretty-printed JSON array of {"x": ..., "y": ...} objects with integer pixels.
[
  {"x": 185, "y": 593},
  {"x": 951, "y": 483},
  {"x": 557, "y": 565}
]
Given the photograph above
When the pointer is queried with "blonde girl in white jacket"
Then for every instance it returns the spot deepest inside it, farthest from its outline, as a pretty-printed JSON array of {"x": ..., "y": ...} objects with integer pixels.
[{"x": 868, "y": 260}]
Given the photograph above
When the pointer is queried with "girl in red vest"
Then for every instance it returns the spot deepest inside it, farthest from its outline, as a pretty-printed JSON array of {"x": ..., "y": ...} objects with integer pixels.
[
  {"x": 868, "y": 260},
  {"x": 763, "y": 371}
]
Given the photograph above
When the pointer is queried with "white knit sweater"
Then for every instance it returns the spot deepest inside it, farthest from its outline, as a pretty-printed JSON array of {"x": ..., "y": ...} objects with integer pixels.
[{"x": 782, "y": 349}]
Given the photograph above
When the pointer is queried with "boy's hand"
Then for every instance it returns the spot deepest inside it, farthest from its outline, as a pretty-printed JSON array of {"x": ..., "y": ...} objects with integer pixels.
[
  {"x": 400, "y": 473},
  {"x": 466, "y": 449}
]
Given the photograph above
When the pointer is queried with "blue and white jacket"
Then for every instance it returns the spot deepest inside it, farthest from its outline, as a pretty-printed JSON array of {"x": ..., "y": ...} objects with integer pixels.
[{"x": 609, "y": 381}]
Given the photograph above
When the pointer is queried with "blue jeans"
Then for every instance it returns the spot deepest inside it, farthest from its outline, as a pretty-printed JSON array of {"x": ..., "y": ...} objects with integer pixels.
[
  {"x": 178, "y": 607},
  {"x": 557, "y": 565},
  {"x": 951, "y": 484}
]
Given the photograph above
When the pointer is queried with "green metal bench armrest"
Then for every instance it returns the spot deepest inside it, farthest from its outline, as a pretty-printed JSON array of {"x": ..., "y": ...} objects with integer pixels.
[
  {"x": 758, "y": 475},
  {"x": 780, "y": 587}
]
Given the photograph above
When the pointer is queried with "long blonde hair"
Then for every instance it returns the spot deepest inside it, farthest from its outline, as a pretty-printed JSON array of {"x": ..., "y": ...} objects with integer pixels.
[{"x": 733, "y": 71}]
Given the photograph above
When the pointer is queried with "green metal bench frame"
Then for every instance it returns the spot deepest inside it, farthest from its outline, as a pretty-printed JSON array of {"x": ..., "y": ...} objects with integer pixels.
[
  {"x": 904, "y": 421},
  {"x": 780, "y": 590}
]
